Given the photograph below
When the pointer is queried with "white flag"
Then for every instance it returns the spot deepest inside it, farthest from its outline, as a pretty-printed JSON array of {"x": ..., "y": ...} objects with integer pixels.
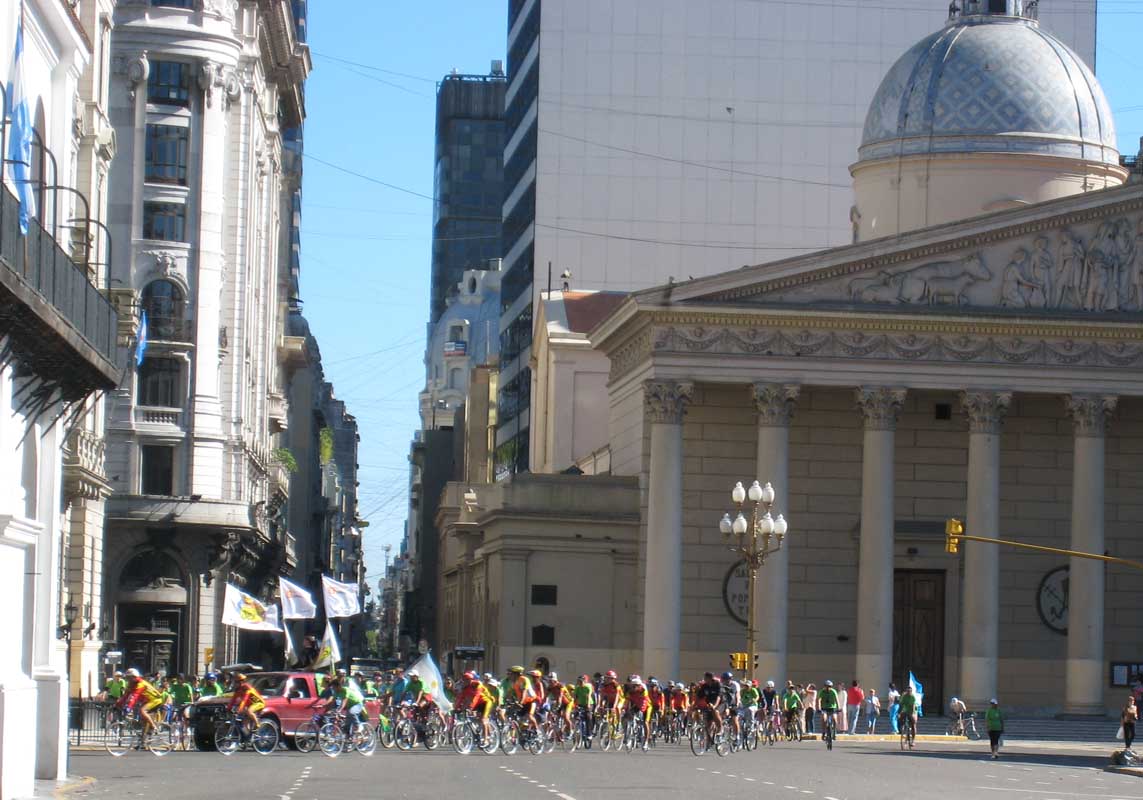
[
  {"x": 341, "y": 599},
  {"x": 291, "y": 652},
  {"x": 329, "y": 653},
  {"x": 246, "y": 611},
  {"x": 431, "y": 678},
  {"x": 297, "y": 603}
]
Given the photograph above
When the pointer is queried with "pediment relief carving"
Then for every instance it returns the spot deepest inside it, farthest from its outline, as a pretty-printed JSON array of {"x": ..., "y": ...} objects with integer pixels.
[{"x": 1097, "y": 267}]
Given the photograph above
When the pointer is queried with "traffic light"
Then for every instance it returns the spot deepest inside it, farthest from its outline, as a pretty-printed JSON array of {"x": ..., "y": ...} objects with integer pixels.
[
  {"x": 738, "y": 661},
  {"x": 954, "y": 529},
  {"x": 755, "y": 662}
]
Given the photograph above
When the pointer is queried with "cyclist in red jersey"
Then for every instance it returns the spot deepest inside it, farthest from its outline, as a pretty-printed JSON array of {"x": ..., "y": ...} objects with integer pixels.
[{"x": 639, "y": 705}]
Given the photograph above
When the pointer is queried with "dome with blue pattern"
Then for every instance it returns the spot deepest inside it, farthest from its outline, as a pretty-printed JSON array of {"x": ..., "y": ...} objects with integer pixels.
[{"x": 990, "y": 84}]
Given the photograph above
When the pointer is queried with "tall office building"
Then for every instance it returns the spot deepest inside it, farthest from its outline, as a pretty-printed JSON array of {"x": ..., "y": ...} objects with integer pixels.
[
  {"x": 658, "y": 139},
  {"x": 468, "y": 185}
]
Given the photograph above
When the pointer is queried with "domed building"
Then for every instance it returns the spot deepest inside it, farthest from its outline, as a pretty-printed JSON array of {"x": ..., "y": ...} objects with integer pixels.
[{"x": 990, "y": 113}]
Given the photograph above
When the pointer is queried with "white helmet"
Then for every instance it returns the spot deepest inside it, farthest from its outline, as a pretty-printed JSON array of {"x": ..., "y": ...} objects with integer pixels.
[
  {"x": 769, "y": 684},
  {"x": 133, "y": 673}
]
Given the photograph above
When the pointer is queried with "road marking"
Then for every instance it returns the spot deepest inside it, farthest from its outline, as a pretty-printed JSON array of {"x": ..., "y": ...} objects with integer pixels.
[
  {"x": 731, "y": 776},
  {"x": 1037, "y": 791},
  {"x": 830, "y": 798},
  {"x": 795, "y": 788},
  {"x": 749, "y": 779},
  {"x": 565, "y": 797},
  {"x": 806, "y": 791}
]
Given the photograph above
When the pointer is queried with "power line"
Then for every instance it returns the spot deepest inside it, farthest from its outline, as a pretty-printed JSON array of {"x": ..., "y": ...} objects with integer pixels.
[
  {"x": 374, "y": 68},
  {"x": 713, "y": 246}
]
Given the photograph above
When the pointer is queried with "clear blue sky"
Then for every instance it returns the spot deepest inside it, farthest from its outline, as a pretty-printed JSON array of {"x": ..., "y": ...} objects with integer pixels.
[{"x": 366, "y": 247}]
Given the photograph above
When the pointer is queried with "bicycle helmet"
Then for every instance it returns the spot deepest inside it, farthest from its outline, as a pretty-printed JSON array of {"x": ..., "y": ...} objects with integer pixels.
[
  {"x": 470, "y": 676},
  {"x": 117, "y": 674},
  {"x": 487, "y": 676},
  {"x": 611, "y": 674},
  {"x": 728, "y": 676},
  {"x": 769, "y": 684},
  {"x": 413, "y": 673},
  {"x": 133, "y": 673},
  {"x": 654, "y": 681},
  {"x": 211, "y": 676},
  {"x": 829, "y": 684},
  {"x": 240, "y": 677},
  {"x": 553, "y": 677},
  {"x": 517, "y": 670},
  {"x": 493, "y": 682},
  {"x": 585, "y": 678},
  {"x": 952, "y": 701},
  {"x": 536, "y": 673}
]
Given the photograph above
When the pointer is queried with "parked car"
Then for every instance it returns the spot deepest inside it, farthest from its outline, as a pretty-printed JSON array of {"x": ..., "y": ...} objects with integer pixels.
[{"x": 291, "y": 699}]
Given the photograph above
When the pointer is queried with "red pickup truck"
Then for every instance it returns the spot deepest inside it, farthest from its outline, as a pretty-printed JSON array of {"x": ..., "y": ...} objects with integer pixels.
[{"x": 291, "y": 699}]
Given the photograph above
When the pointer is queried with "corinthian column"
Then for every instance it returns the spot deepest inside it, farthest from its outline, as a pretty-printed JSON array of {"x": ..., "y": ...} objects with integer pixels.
[
  {"x": 664, "y": 405},
  {"x": 1085, "y": 672},
  {"x": 980, "y": 639},
  {"x": 881, "y": 406},
  {"x": 775, "y": 405}
]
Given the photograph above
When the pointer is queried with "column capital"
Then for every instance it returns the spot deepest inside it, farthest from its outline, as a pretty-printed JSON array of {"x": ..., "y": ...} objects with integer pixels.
[
  {"x": 881, "y": 405},
  {"x": 1090, "y": 413},
  {"x": 985, "y": 409},
  {"x": 666, "y": 401},
  {"x": 774, "y": 402}
]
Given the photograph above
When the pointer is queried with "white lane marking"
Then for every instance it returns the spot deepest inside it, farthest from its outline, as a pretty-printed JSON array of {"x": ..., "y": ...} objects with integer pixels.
[
  {"x": 701, "y": 769},
  {"x": 1037, "y": 791},
  {"x": 749, "y": 779},
  {"x": 806, "y": 791},
  {"x": 731, "y": 776},
  {"x": 565, "y": 797},
  {"x": 830, "y": 798},
  {"x": 795, "y": 788},
  {"x": 768, "y": 783}
]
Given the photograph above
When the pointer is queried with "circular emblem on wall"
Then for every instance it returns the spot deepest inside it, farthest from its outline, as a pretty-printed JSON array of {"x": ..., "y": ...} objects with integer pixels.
[
  {"x": 1052, "y": 600},
  {"x": 736, "y": 592}
]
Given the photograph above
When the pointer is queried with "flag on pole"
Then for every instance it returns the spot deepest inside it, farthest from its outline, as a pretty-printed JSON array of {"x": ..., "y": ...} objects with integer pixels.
[
  {"x": 341, "y": 599},
  {"x": 297, "y": 603},
  {"x": 248, "y": 612},
  {"x": 291, "y": 651},
  {"x": 431, "y": 678},
  {"x": 20, "y": 130},
  {"x": 329, "y": 653},
  {"x": 918, "y": 690},
  {"x": 141, "y": 345}
]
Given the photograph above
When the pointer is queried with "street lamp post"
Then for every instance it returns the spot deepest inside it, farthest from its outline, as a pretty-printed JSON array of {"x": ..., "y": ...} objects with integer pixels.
[
  {"x": 751, "y": 542},
  {"x": 65, "y": 631}
]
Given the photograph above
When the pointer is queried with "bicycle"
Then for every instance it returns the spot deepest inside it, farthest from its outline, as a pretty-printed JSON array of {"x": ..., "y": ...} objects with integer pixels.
[
  {"x": 340, "y": 735},
  {"x": 634, "y": 734},
  {"x": 468, "y": 732},
  {"x": 127, "y": 732},
  {"x": 703, "y": 737},
  {"x": 580, "y": 730},
  {"x": 829, "y": 729},
  {"x": 412, "y": 729},
  {"x": 610, "y": 731},
  {"x": 908, "y": 731},
  {"x": 231, "y": 735},
  {"x": 963, "y": 725}
]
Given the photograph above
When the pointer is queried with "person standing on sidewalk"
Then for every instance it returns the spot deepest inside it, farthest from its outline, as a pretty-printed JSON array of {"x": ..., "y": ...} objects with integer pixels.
[
  {"x": 1128, "y": 719},
  {"x": 994, "y": 721},
  {"x": 855, "y": 701},
  {"x": 872, "y": 711}
]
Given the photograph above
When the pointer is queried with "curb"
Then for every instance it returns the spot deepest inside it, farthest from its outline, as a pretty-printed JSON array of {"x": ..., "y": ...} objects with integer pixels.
[
  {"x": 891, "y": 737},
  {"x": 1136, "y": 771},
  {"x": 73, "y": 785}
]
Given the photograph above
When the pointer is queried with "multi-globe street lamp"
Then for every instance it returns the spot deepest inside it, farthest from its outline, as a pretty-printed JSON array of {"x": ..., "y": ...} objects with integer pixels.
[{"x": 750, "y": 539}]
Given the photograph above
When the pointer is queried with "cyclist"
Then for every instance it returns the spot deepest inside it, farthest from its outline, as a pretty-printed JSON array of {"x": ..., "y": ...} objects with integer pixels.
[
  {"x": 246, "y": 701},
  {"x": 522, "y": 692},
  {"x": 610, "y": 696},
  {"x": 828, "y": 704},
  {"x": 658, "y": 699},
  {"x": 639, "y": 705},
  {"x": 909, "y": 708},
  {"x": 143, "y": 695},
  {"x": 708, "y": 701},
  {"x": 791, "y": 710},
  {"x": 345, "y": 694},
  {"x": 210, "y": 687},
  {"x": 496, "y": 692},
  {"x": 750, "y": 697},
  {"x": 475, "y": 697},
  {"x": 584, "y": 697},
  {"x": 560, "y": 698},
  {"x": 680, "y": 703},
  {"x": 731, "y": 696},
  {"x": 115, "y": 687}
]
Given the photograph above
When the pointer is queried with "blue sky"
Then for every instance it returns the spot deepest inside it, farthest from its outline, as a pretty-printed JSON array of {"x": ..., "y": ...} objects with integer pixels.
[{"x": 366, "y": 247}]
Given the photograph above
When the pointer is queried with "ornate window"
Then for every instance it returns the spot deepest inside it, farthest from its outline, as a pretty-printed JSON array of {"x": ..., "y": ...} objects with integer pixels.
[
  {"x": 168, "y": 149},
  {"x": 159, "y": 383},
  {"x": 157, "y": 469},
  {"x": 165, "y": 305},
  {"x": 164, "y": 221},
  {"x": 168, "y": 83}
]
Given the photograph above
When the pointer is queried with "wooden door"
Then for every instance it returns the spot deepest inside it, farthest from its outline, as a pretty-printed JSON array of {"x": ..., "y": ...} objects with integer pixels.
[{"x": 919, "y": 632}]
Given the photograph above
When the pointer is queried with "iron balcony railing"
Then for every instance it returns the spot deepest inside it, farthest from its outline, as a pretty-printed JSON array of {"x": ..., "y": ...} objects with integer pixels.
[{"x": 44, "y": 267}]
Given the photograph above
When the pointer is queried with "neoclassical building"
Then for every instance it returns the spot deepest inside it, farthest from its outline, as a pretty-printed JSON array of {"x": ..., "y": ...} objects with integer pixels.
[{"x": 980, "y": 360}]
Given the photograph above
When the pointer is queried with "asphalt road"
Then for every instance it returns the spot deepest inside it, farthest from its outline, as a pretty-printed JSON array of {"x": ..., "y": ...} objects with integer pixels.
[{"x": 853, "y": 771}]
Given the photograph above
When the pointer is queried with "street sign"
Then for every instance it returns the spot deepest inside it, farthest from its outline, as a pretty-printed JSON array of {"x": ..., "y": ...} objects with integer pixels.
[
  {"x": 473, "y": 653},
  {"x": 113, "y": 657},
  {"x": 736, "y": 593}
]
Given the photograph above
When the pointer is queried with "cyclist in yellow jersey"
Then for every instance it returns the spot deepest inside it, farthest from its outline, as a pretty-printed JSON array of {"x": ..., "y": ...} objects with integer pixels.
[{"x": 142, "y": 695}]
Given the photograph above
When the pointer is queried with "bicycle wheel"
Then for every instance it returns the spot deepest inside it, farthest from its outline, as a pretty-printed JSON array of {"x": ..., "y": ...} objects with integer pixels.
[
  {"x": 828, "y": 734},
  {"x": 435, "y": 734},
  {"x": 265, "y": 737},
  {"x": 533, "y": 739},
  {"x": 973, "y": 733},
  {"x": 364, "y": 739},
  {"x": 386, "y": 733},
  {"x": 510, "y": 737},
  {"x": 700, "y": 740},
  {"x": 605, "y": 736},
  {"x": 159, "y": 740},
  {"x": 490, "y": 743},
  {"x": 305, "y": 737},
  {"x": 463, "y": 738},
  {"x": 405, "y": 735},
  {"x": 228, "y": 737},
  {"x": 118, "y": 737},
  {"x": 722, "y": 743},
  {"x": 331, "y": 739}
]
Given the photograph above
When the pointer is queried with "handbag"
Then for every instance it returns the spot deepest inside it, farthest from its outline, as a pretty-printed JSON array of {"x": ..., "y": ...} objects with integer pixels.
[{"x": 1119, "y": 733}]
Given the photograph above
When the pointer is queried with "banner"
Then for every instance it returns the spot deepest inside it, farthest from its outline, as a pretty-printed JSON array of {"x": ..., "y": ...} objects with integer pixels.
[
  {"x": 297, "y": 603},
  {"x": 329, "y": 653},
  {"x": 919, "y": 691},
  {"x": 247, "y": 612},
  {"x": 431, "y": 678},
  {"x": 341, "y": 599},
  {"x": 291, "y": 652}
]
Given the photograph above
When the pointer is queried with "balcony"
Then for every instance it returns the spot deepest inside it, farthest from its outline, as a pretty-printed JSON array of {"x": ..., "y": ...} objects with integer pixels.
[
  {"x": 170, "y": 329},
  {"x": 58, "y": 322},
  {"x": 83, "y": 471},
  {"x": 277, "y": 409},
  {"x": 154, "y": 415}
]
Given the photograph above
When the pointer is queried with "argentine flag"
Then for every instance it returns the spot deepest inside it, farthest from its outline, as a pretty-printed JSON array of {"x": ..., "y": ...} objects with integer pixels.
[
  {"x": 141, "y": 345},
  {"x": 20, "y": 133},
  {"x": 919, "y": 691}
]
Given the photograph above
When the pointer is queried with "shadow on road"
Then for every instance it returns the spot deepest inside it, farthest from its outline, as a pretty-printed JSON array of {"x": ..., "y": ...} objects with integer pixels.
[{"x": 1094, "y": 761}]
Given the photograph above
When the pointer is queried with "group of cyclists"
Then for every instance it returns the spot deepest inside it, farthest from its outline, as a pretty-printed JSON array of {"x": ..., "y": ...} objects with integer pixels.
[{"x": 719, "y": 704}]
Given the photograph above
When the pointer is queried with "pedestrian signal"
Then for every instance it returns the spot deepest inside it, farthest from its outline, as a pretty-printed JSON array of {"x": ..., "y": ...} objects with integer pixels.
[{"x": 954, "y": 529}]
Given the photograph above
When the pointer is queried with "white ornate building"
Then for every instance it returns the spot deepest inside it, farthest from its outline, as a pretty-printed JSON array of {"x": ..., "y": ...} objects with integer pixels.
[{"x": 205, "y": 97}]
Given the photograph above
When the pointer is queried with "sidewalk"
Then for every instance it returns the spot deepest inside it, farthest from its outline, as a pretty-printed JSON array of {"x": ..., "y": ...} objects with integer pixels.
[{"x": 64, "y": 788}]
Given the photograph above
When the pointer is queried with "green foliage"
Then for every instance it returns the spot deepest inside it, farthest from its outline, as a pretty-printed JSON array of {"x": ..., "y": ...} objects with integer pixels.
[
  {"x": 325, "y": 446},
  {"x": 286, "y": 458}
]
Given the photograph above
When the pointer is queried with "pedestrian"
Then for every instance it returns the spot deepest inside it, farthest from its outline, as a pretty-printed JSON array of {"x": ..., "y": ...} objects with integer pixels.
[
  {"x": 811, "y": 704},
  {"x": 854, "y": 702},
  {"x": 114, "y": 688},
  {"x": 842, "y": 717},
  {"x": 994, "y": 721},
  {"x": 894, "y": 698},
  {"x": 1128, "y": 719},
  {"x": 872, "y": 711}
]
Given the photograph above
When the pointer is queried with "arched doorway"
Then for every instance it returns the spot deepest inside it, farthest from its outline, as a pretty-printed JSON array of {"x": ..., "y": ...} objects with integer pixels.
[{"x": 152, "y": 612}]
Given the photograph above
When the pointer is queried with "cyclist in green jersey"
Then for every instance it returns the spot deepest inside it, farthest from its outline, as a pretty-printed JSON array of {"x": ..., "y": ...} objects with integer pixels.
[
  {"x": 210, "y": 687},
  {"x": 791, "y": 705},
  {"x": 908, "y": 710},
  {"x": 344, "y": 693},
  {"x": 828, "y": 703},
  {"x": 584, "y": 695}
]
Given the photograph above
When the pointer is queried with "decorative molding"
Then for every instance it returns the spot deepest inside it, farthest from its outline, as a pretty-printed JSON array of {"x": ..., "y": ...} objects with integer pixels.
[
  {"x": 211, "y": 76},
  {"x": 134, "y": 69},
  {"x": 1090, "y": 413},
  {"x": 774, "y": 402},
  {"x": 985, "y": 410},
  {"x": 630, "y": 354},
  {"x": 220, "y": 9},
  {"x": 881, "y": 405},
  {"x": 666, "y": 401}
]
